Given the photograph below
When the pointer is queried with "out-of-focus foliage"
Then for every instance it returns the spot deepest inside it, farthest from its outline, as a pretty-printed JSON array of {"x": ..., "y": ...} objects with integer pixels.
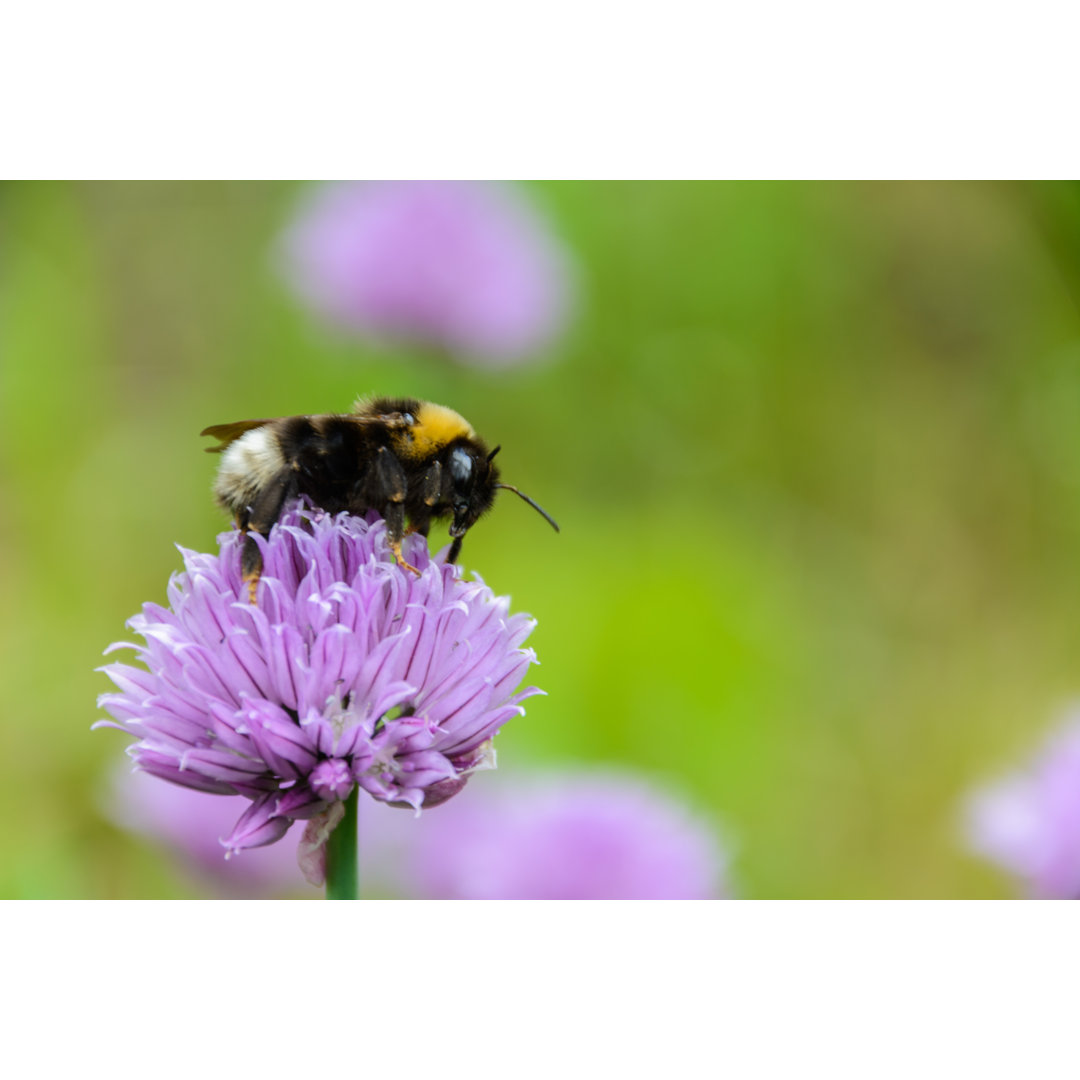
[{"x": 814, "y": 448}]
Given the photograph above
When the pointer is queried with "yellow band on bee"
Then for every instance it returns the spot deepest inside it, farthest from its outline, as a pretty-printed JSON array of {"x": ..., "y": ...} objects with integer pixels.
[{"x": 436, "y": 425}]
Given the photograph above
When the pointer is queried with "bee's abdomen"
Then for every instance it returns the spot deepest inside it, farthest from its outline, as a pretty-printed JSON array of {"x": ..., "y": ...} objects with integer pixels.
[{"x": 247, "y": 466}]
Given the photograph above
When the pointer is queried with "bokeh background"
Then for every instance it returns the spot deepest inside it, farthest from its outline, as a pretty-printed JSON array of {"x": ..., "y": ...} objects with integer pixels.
[{"x": 814, "y": 448}]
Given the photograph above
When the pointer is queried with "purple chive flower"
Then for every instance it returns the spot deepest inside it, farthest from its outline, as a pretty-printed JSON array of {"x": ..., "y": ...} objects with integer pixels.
[
  {"x": 349, "y": 671},
  {"x": 571, "y": 836},
  {"x": 1029, "y": 822},
  {"x": 467, "y": 267}
]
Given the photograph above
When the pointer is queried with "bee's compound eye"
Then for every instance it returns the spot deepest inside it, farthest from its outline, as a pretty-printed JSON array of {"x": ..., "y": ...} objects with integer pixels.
[
  {"x": 460, "y": 464},
  {"x": 409, "y": 419}
]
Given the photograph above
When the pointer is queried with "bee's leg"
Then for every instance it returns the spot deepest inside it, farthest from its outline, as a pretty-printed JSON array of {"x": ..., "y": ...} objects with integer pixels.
[
  {"x": 250, "y": 558},
  {"x": 260, "y": 518},
  {"x": 431, "y": 485},
  {"x": 250, "y": 564},
  {"x": 391, "y": 485},
  {"x": 455, "y": 549},
  {"x": 430, "y": 491}
]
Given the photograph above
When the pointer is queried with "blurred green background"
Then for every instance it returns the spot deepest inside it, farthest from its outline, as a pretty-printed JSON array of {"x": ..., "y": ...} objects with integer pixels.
[{"x": 814, "y": 448}]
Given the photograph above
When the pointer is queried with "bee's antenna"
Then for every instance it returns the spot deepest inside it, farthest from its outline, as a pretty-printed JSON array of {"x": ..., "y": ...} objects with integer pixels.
[
  {"x": 539, "y": 509},
  {"x": 494, "y": 452}
]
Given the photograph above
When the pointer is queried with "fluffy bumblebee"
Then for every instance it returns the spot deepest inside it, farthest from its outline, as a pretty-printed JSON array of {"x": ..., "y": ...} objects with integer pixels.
[{"x": 410, "y": 460}]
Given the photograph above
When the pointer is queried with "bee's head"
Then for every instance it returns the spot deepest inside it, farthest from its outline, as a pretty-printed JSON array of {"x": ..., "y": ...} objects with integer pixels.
[{"x": 473, "y": 479}]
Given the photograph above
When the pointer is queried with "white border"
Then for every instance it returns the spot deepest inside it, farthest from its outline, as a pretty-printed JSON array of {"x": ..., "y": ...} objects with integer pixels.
[
  {"x": 840, "y": 989},
  {"x": 587, "y": 89}
]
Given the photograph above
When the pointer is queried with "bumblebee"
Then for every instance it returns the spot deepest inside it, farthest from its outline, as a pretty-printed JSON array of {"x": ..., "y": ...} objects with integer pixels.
[{"x": 412, "y": 461}]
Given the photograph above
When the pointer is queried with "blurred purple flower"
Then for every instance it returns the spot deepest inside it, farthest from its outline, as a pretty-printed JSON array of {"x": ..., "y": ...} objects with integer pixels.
[
  {"x": 191, "y": 825},
  {"x": 1029, "y": 823},
  {"x": 350, "y": 671},
  {"x": 468, "y": 267},
  {"x": 571, "y": 836}
]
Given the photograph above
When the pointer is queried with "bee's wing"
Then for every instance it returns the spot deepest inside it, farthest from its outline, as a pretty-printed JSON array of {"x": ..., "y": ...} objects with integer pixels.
[
  {"x": 390, "y": 420},
  {"x": 229, "y": 433}
]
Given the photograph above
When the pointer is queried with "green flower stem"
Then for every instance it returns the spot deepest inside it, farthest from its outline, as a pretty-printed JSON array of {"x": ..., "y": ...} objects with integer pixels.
[{"x": 342, "y": 877}]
